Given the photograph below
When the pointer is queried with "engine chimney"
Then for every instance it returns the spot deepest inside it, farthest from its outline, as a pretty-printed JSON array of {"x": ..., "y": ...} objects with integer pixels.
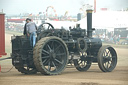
[{"x": 89, "y": 22}]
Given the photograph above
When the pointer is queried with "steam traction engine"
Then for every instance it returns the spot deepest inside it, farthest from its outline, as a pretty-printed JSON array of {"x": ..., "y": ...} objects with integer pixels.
[{"x": 55, "y": 48}]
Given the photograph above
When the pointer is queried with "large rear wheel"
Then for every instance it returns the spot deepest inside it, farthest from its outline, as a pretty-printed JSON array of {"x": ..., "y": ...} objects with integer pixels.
[
  {"x": 26, "y": 70},
  {"x": 50, "y": 55}
]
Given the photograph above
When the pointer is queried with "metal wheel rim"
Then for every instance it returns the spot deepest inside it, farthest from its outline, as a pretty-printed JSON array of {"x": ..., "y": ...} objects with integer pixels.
[
  {"x": 53, "y": 56},
  {"x": 82, "y": 64},
  {"x": 109, "y": 59}
]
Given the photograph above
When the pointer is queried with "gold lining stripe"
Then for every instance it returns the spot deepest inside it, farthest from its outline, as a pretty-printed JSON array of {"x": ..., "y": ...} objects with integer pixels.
[{"x": 89, "y": 11}]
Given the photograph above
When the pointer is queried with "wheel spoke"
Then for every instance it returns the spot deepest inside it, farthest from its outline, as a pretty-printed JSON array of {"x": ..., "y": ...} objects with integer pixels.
[
  {"x": 80, "y": 61},
  {"x": 108, "y": 64},
  {"x": 58, "y": 61},
  {"x": 111, "y": 65},
  {"x": 104, "y": 54},
  {"x": 108, "y": 53},
  {"x": 45, "y": 56},
  {"x": 45, "y": 51},
  {"x": 56, "y": 49},
  {"x": 44, "y": 60},
  {"x": 83, "y": 63},
  {"x": 54, "y": 65},
  {"x": 49, "y": 67},
  {"x": 104, "y": 63},
  {"x": 52, "y": 45},
  {"x": 27, "y": 68},
  {"x": 59, "y": 54},
  {"x": 111, "y": 58},
  {"x": 49, "y": 47}
]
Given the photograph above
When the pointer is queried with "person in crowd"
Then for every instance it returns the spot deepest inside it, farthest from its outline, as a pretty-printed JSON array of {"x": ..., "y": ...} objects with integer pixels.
[
  {"x": 127, "y": 37},
  {"x": 118, "y": 39}
]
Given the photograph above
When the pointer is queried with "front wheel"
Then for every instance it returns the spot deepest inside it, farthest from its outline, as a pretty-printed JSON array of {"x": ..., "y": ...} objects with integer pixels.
[{"x": 107, "y": 58}]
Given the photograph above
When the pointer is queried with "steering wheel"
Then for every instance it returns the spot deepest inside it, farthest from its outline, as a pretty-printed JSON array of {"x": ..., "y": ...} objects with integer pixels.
[{"x": 45, "y": 26}]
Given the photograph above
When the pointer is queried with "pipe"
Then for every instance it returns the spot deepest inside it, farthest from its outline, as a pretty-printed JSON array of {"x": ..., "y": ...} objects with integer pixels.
[
  {"x": 5, "y": 58},
  {"x": 89, "y": 22}
]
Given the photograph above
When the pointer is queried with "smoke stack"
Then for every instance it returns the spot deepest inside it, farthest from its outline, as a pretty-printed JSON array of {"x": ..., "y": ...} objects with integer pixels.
[{"x": 89, "y": 22}]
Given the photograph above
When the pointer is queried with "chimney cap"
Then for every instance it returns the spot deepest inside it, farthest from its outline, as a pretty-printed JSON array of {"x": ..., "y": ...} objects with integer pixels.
[{"x": 89, "y": 10}]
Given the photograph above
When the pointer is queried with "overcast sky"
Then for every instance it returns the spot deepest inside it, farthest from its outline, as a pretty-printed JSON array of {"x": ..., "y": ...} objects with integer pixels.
[{"x": 72, "y": 6}]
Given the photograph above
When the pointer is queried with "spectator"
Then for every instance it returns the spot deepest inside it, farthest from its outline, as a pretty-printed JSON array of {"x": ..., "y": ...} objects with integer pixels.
[
  {"x": 115, "y": 39},
  {"x": 118, "y": 38},
  {"x": 127, "y": 37}
]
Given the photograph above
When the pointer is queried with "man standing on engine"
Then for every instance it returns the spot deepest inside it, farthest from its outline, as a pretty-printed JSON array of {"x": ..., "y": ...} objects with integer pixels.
[{"x": 31, "y": 32}]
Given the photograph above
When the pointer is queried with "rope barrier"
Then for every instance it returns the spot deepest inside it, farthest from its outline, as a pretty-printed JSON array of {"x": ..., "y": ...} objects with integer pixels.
[{"x": 9, "y": 69}]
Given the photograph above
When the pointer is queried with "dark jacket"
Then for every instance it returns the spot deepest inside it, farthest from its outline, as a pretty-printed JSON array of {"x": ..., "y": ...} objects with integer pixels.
[{"x": 25, "y": 29}]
